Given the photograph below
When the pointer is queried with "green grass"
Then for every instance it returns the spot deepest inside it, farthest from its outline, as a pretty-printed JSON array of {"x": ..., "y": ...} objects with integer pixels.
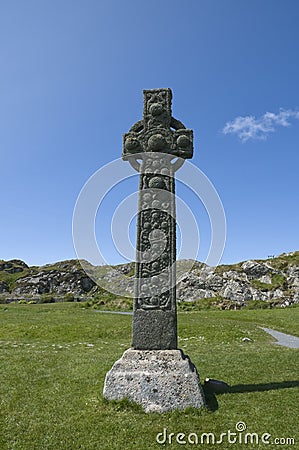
[
  {"x": 284, "y": 260},
  {"x": 280, "y": 262},
  {"x": 227, "y": 267},
  {"x": 54, "y": 359},
  {"x": 109, "y": 302},
  {"x": 277, "y": 281},
  {"x": 11, "y": 278}
]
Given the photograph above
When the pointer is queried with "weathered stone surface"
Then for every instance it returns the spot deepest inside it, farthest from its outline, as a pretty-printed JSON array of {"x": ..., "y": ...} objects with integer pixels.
[
  {"x": 13, "y": 265},
  {"x": 251, "y": 280},
  {"x": 214, "y": 282},
  {"x": 233, "y": 275},
  {"x": 153, "y": 330},
  {"x": 151, "y": 146},
  {"x": 3, "y": 287},
  {"x": 159, "y": 380},
  {"x": 265, "y": 279},
  {"x": 293, "y": 276},
  {"x": 154, "y": 373},
  {"x": 237, "y": 291},
  {"x": 254, "y": 269},
  {"x": 200, "y": 283},
  {"x": 58, "y": 282}
]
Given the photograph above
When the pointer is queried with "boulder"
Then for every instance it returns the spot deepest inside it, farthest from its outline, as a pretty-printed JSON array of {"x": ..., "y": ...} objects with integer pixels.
[
  {"x": 3, "y": 287},
  {"x": 255, "y": 270},
  {"x": 236, "y": 290},
  {"x": 265, "y": 279},
  {"x": 54, "y": 282}
]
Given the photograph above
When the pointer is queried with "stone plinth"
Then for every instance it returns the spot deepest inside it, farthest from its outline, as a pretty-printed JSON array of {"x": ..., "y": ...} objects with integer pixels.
[{"x": 158, "y": 380}]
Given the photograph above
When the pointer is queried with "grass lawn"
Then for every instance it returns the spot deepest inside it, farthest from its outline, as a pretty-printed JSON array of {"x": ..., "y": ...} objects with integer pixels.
[{"x": 54, "y": 359}]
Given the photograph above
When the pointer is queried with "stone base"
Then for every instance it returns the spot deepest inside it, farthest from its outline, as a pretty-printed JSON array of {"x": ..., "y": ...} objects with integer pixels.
[{"x": 158, "y": 380}]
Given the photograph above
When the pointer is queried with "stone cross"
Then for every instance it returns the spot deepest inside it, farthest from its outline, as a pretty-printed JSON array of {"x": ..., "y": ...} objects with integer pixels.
[
  {"x": 154, "y": 372},
  {"x": 156, "y": 147}
]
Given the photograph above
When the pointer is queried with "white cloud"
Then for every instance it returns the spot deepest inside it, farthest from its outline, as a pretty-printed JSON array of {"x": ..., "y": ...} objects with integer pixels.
[{"x": 250, "y": 127}]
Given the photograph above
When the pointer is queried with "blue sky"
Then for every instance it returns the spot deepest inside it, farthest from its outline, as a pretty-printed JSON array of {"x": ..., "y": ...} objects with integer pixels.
[{"x": 71, "y": 81}]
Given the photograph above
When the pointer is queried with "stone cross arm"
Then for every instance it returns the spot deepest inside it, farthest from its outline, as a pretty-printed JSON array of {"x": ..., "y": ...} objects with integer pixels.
[{"x": 158, "y": 131}]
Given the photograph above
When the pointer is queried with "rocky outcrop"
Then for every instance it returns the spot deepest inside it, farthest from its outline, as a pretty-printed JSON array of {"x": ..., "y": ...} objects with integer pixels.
[
  {"x": 198, "y": 284},
  {"x": 58, "y": 282},
  {"x": 58, "y": 279},
  {"x": 255, "y": 270},
  {"x": 273, "y": 280},
  {"x": 3, "y": 287},
  {"x": 13, "y": 266}
]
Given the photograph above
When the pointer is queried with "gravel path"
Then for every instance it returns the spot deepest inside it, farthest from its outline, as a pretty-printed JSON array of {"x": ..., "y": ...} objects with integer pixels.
[
  {"x": 286, "y": 340},
  {"x": 114, "y": 312}
]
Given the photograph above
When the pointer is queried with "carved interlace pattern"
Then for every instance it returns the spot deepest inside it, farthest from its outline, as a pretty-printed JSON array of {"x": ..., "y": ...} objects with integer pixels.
[
  {"x": 156, "y": 144},
  {"x": 155, "y": 236}
]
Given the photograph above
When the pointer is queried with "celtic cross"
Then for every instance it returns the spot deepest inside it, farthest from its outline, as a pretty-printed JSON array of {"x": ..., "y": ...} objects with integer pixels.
[{"x": 156, "y": 147}]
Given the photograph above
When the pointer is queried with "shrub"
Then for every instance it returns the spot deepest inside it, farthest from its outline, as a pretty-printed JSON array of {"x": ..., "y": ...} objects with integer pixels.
[
  {"x": 46, "y": 298},
  {"x": 69, "y": 297},
  {"x": 258, "y": 304}
]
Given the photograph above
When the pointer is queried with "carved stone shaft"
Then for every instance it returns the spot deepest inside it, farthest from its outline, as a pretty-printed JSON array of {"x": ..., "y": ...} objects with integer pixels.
[{"x": 157, "y": 141}]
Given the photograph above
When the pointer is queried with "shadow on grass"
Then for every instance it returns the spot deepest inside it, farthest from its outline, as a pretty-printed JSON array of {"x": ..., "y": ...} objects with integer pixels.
[
  {"x": 240, "y": 388},
  {"x": 211, "y": 400}
]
